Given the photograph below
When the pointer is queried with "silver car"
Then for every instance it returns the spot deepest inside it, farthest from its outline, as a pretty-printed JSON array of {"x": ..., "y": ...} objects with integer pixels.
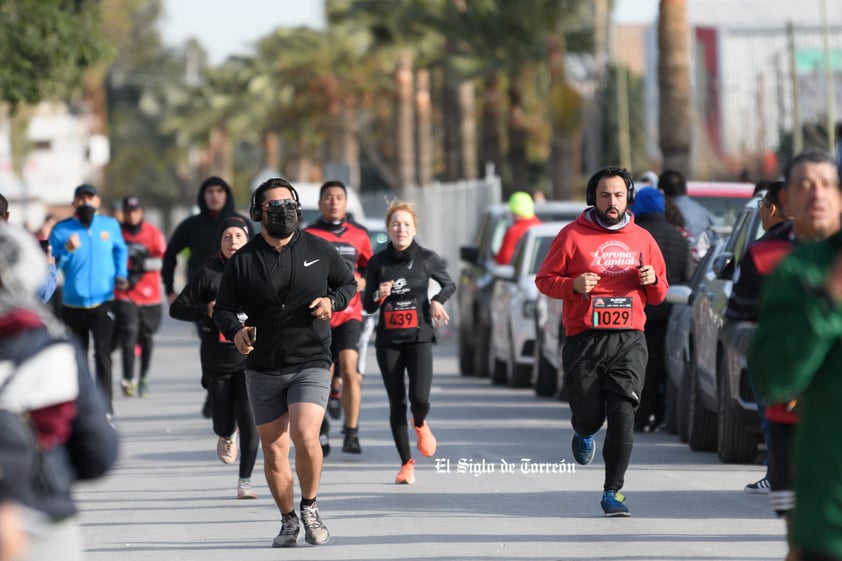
[
  {"x": 677, "y": 352},
  {"x": 513, "y": 307},
  {"x": 547, "y": 373},
  {"x": 473, "y": 295}
]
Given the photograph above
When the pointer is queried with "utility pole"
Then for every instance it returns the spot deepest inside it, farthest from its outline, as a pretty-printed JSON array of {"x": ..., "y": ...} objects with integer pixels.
[
  {"x": 761, "y": 114},
  {"x": 828, "y": 72},
  {"x": 623, "y": 129},
  {"x": 797, "y": 133}
]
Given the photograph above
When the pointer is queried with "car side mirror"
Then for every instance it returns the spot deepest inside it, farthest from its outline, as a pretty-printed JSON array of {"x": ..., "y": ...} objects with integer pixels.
[
  {"x": 503, "y": 272},
  {"x": 722, "y": 265},
  {"x": 679, "y": 294},
  {"x": 469, "y": 253}
]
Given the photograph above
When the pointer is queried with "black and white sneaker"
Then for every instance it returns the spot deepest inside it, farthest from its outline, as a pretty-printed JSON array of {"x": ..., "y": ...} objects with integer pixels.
[
  {"x": 760, "y": 487},
  {"x": 351, "y": 443},
  {"x": 288, "y": 536}
]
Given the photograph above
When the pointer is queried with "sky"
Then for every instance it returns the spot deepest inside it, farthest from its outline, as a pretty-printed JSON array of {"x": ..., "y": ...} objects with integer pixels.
[{"x": 226, "y": 27}]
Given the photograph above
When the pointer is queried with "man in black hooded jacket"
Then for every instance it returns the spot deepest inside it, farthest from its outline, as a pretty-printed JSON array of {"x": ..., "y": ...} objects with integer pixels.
[{"x": 199, "y": 233}]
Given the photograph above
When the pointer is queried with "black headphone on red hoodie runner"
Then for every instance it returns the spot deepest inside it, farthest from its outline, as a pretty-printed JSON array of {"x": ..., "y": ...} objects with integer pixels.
[{"x": 610, "y": 171}]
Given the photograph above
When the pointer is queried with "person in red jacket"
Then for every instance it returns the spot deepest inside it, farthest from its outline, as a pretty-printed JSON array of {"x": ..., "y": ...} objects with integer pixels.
[
  {"x": 606, "y": 269},
  {"x": 523, "y": 210},
  {"x": 138, "y": 307},
  {"x": 353, "y": 244}
]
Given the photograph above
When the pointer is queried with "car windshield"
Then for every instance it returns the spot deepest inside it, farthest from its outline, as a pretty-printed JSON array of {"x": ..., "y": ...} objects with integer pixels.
[
  {"x": 539, "y": 252},
  {"x": 723, "y": 210},
  {"x": 309, "y": 215}
]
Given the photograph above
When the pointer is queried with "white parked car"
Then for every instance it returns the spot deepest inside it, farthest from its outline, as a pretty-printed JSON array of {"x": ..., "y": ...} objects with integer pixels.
[{"x": 513, "y": 307}]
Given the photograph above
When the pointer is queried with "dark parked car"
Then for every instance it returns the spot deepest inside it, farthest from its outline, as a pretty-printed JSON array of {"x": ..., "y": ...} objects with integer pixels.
[
  {"x": 677, "y": 351},
  {"x": 721, "y": 412},
  {"x": 476, "y": 280}
]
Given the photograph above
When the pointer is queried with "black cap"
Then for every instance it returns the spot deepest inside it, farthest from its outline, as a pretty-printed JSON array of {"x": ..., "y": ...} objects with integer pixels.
[
  {"x": 84, "y": 189},
  {"x": 132, "y": 202}
]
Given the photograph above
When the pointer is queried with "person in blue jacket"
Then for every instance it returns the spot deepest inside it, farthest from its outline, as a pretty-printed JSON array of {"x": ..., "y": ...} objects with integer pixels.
[{"x": 90, "y": 251}]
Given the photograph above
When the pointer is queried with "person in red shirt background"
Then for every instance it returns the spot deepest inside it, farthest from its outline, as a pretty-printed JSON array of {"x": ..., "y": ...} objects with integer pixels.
[
  {"x": 523, "y": 209},
  {"x": 353, "y": 244},
  {"x": 138, "y": 307},
  {"x": 606, "y": 269}
]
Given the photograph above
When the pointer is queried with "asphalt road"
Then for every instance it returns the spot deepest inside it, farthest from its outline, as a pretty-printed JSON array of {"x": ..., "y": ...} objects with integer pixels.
[{"x": 501, "y": 485}]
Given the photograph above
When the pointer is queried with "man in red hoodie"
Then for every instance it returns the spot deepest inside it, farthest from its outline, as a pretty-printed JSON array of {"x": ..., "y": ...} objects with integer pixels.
[
  {"x": 522, "y": 208},
  {"x": 138, "y": 307},
  {"x": 606, "y": 269}
]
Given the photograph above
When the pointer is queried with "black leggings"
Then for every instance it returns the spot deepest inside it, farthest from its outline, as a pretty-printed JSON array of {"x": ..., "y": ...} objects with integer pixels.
[
  {"x": 231, "y": 409},
  {"x": 135, "y": 326},
  {"x": 417, "y": 361},
  {"x": 619, "y": 436},
  {"x": 603, "y": 375},
  {"x": 651, "y": 410},
  {"x": 99, "y": 323}
]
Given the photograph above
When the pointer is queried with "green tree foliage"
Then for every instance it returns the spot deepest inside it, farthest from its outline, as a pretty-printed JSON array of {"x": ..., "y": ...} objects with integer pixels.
[
  {"x": 637, "y": 124},
  {"x": 45, "y": 46},
  {"x": 142, "y": 81}
]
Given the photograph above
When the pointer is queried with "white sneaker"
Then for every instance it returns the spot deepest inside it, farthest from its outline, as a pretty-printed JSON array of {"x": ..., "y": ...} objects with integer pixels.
[
  {"x": 245, "y": 490},
  {"x": 226, "y": 449}
]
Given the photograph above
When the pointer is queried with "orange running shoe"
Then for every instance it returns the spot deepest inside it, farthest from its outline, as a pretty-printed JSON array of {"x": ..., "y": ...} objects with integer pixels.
[
  {"x": 406, "y": 476},
  {"x": 426, "y": 440}
]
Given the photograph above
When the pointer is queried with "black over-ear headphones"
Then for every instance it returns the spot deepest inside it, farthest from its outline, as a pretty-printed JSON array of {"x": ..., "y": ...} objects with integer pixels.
[
  {"x": 256, "y": 208},
  {"x": 610, "y": 171}
]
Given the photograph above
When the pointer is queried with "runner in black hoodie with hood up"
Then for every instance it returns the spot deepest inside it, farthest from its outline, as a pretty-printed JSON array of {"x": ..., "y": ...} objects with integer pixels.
[{"x": 199, "y": 233}]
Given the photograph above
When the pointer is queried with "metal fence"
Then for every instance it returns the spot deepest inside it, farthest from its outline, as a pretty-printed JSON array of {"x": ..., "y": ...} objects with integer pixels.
[{"x": 448, "y": 216}]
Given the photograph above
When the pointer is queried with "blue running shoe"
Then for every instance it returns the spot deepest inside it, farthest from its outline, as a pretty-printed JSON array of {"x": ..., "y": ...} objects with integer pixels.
[
  {"x": 584, "y": 448},
  {"x": 612, "y": 504}
]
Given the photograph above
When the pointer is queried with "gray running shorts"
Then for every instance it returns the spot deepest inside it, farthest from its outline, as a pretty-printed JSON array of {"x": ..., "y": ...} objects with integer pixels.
[{"x": 270, "y": 395}]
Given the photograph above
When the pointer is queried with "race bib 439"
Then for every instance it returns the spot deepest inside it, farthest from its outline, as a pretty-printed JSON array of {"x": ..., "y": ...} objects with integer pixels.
[{"x": 401, "y": 314}]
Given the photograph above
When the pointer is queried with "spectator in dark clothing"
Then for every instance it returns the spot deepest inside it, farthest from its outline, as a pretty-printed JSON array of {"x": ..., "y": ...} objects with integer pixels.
[
  {"x": 648, "y": 211},
  {"x": 697, "y": 219},
  {"x": 740, "y": 321}
]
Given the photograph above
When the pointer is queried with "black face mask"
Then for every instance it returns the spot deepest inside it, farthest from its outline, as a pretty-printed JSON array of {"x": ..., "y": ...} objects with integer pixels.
[
  {"x": 132, "y": 228},
  {"x": 85, "y": 214},
  {"x": 281, "y": 219}
]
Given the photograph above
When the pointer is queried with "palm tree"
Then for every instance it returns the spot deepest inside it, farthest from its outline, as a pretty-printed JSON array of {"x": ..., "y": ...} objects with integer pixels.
[
  {"x": 503, "y": 42},
  {"x": 675, "y": 121}
]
